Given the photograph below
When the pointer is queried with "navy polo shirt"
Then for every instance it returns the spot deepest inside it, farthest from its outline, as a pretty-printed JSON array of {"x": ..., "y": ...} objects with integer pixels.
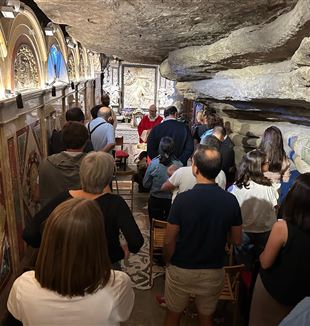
[{"x": 205, "y": 214}]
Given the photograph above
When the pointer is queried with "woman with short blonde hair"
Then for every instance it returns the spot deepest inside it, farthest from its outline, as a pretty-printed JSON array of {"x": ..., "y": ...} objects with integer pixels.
[
  {"x": 96, "y": 173},
  {"x": 96, "y": 170},
  {"x": 72, "y": 283}
]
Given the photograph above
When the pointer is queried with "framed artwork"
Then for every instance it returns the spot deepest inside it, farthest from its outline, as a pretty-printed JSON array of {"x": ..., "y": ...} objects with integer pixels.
[
  {"x": 139, "y": 86},
  {"x": 15, "y": 188},
  {"x": 5, "y": 252}
]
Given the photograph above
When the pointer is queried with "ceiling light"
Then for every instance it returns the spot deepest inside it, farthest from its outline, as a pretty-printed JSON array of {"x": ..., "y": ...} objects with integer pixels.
[
  {"x": 70, "y": 43},
  {"x": 7, "y": 12},
  {"x": 49, "y": 29}
]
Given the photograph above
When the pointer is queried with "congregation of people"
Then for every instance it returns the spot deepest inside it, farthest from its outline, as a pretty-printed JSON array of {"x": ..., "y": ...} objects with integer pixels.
[{"x": 84, "y": 230}]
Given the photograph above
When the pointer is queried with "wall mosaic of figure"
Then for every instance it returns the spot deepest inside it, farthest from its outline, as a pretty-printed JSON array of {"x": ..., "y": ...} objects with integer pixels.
[
  {"x": 5, "y": 250},
  {"x": 16, "y": 198},
  {"x": 30, "y": 156},
  {"x": 26, "y": 74}
]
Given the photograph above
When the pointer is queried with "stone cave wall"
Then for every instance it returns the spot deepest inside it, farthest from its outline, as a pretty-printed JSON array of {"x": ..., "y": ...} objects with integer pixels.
[{"x": 257, "y": 76}]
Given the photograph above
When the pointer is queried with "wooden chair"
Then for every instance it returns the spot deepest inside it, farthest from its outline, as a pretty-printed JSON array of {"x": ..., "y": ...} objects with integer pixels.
[
  {"x": 120, "y": 155},
  {"x": 157, "y": 235},
  {"x": 124, "y": 188},
  {"x": 230, "y": 291}
]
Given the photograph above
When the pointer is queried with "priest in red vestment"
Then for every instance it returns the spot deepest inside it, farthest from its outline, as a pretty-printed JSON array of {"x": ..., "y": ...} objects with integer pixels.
[{"x": 148, "y": 122}]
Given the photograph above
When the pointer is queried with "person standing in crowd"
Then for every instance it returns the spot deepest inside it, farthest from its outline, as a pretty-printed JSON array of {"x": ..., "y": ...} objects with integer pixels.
[
  {"x": 156, "y": 174},
  {"x": 201, "y": 128},
  {"x": 148, "y": 122},
  {"x": 278, "y": 162},
  {"x": 60, "y": 172},
  {"x": 72, "y": 283},
  {"x": 257, "y": 198},
  {"x": 56, "y": 144},
  {"x": 96, "y": 173},
  {"x": 178, "y": 131},
  {"x": 227, "y": 152},
  {"x": 183, "y": 179},
  {"x": 199, "y": 222},
  {"x": 284, "y": 278},
  {"x": 101, "y": 131}
]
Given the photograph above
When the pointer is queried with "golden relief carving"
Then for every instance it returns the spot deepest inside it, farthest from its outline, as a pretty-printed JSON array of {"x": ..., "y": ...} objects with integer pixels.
[
  {"x": 71, "y": 68},
  {"x": 82, "y": 67},
  {"x": 26, "y": 73}
]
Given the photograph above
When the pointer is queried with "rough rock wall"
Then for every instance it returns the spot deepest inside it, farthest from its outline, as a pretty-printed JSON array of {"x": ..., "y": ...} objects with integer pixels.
[{"x": 147, "y": 30}]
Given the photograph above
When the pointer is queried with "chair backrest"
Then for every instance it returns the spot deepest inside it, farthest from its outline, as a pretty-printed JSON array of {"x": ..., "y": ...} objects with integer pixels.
[
  {"x": 231, "y": 284},
  {"x": 158, "y": 231},
  {"x": 119, "y": 141}
]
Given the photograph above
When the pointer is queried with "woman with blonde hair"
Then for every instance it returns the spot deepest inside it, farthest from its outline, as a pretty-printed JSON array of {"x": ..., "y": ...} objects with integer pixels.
[
  {"x": 72, "y": 283},
  {"x": 96, "y": 172}
]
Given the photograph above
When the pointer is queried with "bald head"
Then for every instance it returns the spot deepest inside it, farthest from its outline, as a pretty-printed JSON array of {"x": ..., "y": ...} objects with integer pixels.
[
  {"x": 105, "y": 113},
  {"x": 152, "y": 111},
  {"x": 207, "y": 162}
]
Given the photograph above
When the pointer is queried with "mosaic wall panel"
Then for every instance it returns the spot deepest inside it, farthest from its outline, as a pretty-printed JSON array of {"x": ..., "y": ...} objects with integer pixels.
[
  {"x": 5, "y": 250},
  {"x": 29, "y": 143},
  {"x": 139, "y": 86},
  {"x": 16, "y": 199}
]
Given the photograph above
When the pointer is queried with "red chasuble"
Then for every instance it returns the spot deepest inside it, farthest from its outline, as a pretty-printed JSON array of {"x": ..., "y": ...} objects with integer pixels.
[{"x": 147, "y": 124}]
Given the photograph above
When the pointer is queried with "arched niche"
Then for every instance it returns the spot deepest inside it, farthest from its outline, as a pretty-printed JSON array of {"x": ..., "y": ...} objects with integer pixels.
[
  {"x": 56, "y": 66},
  {"x": 26, "y": 41},
  {"x": 58, "y": 39}
]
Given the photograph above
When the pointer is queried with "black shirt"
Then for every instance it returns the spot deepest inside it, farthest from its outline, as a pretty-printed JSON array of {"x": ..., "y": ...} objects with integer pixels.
[
  {"x": 179, "y": 132},
  {"x": 116, "y": 214},
  {"x": 288, "y": 279},
  {"x": 205, "y": 215}
]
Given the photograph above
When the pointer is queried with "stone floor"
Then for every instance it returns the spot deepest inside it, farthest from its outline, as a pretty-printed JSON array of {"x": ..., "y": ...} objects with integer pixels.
[{"x": 146, "y": 311}]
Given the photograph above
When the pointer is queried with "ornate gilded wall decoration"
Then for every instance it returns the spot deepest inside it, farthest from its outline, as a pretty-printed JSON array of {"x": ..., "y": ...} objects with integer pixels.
[
  {"x": 26, "y": 72},
  {"x": 82, "y": 67},
  {"x": 71, "y": 68}
]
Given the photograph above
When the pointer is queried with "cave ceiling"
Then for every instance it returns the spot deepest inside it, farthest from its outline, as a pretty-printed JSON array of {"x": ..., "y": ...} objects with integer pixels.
[{"x": 146, "y": 31}]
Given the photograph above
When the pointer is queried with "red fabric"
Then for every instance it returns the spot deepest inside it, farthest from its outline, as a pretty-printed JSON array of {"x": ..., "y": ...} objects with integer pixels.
[
  {"x": 146, "y": 124},
  {"x": 121, "y": 154}
]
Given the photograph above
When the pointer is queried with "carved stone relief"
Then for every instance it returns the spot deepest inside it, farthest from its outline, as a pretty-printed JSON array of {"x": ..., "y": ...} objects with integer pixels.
[
  {"x": 26, "y": 73},
  {"x": 111, "y": 83},
  {"x": 166, "y": 92},
  {"x": 71, "y": 68},
  {"x": 139, "y": 84}
]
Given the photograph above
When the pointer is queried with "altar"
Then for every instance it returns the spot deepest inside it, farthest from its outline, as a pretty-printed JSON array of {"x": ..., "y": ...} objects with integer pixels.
[{"x": 131, "y": 140}]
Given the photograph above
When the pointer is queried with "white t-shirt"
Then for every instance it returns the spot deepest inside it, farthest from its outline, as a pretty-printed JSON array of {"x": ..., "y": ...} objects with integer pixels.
[
  {"x": 257, "y": 206},
  {"x": 184, "y": 180},
  {"x": 34, "y": 305}
]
